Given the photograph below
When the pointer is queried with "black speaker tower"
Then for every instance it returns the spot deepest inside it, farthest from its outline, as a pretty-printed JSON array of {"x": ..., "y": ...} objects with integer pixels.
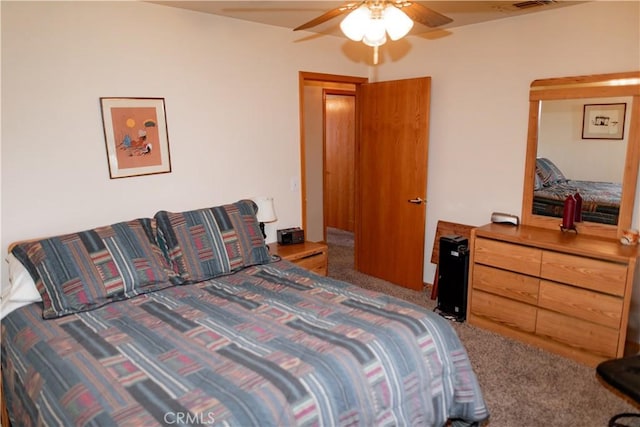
[{"x": 453, "y": 275}]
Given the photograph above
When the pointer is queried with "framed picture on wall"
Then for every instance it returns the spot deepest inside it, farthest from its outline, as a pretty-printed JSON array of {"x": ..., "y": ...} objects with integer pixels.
[
  {"x": 135, "y": 133},
  {"x": 603, "y": 121}
]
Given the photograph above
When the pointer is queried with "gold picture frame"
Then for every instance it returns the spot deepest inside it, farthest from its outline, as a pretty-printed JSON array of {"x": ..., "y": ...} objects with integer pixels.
[{"x": 136, "y": 137}]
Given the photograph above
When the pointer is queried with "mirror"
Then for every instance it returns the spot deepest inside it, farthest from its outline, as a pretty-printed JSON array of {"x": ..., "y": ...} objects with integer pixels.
[
  {"x": 568, "y": 163},
  {"x": 583, "y": 138}
]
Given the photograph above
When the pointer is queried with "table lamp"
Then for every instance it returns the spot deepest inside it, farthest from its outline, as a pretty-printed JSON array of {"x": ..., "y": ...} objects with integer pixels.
[{"x": 266, "y": 212}]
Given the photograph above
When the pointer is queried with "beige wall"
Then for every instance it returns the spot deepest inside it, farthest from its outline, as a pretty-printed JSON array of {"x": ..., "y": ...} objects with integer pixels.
[
  {"x": 560, "y": 139},
  {"x": 479, "y": 105},
  {"x": 314, "y": 162},
  {"x": 481, "y": 76},
  {"x": 231, "y": 92}
]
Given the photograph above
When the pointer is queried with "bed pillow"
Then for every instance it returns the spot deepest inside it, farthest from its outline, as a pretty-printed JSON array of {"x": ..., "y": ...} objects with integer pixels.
[
  {"x": 82, "y": 271},
  {"x": 549, "y": 172},
  {"x": 538, "y": 184},
  {"x": 22, "y": 289},
  {"x": 21, "y": 284},
  {"x": 210, "y": 242}
]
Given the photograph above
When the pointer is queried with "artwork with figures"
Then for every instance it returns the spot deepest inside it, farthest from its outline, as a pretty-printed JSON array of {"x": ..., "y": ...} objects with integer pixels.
[{"x": 135, "y": 131}]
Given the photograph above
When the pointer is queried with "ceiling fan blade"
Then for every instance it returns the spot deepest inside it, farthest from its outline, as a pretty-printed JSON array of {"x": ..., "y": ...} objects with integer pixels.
[
  {"x": 327, "y": 16},
  {"x": 423, "y": 14}
]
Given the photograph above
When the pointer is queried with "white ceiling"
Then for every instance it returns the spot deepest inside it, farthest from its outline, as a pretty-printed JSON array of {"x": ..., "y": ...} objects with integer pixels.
[{"x": 290, "y": 14}]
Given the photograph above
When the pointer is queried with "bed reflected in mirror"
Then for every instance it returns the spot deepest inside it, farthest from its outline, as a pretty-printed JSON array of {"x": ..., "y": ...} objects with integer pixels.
[{"x": 567, "y": 163}]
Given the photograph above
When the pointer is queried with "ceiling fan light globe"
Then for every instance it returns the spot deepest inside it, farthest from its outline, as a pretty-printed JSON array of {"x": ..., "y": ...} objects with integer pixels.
[
  {"x": 397, "y": 23},
  {"x": 376, "y": 33},
  {"x": 354, "y": 25}
]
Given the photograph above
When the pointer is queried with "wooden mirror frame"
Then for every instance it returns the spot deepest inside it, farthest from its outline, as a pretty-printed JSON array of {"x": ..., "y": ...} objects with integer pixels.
[{"x": 594, "y": 86}]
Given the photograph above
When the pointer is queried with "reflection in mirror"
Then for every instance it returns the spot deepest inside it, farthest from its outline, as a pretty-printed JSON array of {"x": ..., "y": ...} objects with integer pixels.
[
  {"x": 575, "y": 151},
  {"x": 567, "y": 163}
]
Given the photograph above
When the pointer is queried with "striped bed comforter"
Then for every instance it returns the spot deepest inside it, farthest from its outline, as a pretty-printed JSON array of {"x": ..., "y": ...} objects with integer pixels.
[
  {"x": 271, "y": 345},
  {"x": 600, "y": 200}
]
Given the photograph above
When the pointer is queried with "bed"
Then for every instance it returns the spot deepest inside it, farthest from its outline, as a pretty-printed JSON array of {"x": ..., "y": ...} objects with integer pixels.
[
  {"x": 600, "y": 200},
  {"x": 185, "y": 319}
]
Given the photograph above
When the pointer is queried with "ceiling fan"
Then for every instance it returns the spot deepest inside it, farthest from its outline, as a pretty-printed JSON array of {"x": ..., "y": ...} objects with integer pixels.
[{"x": 370, "y": 21}]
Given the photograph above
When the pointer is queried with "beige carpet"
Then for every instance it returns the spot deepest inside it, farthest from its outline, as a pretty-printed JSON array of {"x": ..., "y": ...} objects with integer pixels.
[{"x": 522, "y": 385}]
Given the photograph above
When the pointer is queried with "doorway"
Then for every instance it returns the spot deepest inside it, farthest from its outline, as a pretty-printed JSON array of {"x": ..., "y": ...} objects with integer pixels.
[
  {"x": 328, "y": 199},
  {"x": 390, "y": 167}
]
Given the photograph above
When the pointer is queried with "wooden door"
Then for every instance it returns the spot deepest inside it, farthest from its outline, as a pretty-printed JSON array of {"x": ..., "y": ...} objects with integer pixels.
[
  {"x": 339, "y": 187},
  {"x": 392, "y": 135}
]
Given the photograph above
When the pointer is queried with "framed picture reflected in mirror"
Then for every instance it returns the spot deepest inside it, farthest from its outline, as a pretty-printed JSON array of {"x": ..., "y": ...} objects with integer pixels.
[{"x": 603, "y": 121}]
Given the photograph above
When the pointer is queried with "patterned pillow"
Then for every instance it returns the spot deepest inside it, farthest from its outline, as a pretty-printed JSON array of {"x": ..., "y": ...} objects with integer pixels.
[
  {"x": 548, "y": 172},
  {"x": 86, "y": 270},
  {"x": 211, "y": 242}
]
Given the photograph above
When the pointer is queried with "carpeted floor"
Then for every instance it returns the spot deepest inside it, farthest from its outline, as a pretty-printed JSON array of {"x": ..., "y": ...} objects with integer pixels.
[{"x": 522, "y": 385}]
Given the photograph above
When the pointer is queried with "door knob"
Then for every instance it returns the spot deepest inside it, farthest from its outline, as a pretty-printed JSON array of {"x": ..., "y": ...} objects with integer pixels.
[{"x": 416, "y": 201}]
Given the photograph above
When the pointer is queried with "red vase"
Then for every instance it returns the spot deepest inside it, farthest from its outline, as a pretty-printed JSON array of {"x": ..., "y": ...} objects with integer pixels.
[
  {"x": 578, "y": 212},
  {"x": 569, "y": 212}
]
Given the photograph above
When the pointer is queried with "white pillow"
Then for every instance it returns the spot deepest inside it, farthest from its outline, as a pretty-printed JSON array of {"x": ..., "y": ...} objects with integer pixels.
[{"x": 22, "y": 288}]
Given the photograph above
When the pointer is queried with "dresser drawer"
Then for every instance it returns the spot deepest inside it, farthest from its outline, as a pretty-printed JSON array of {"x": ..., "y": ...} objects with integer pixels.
[
  {"x": 506, "y": 283},
  {"x": 508, "y": 256},
  {"x": 598, "y": 275},
  {"x": 316, "y": 263},
  {"x": 577, "y": 333},
  {"x": 599, "y": 308},
  {"x": 503, "y": 310}
]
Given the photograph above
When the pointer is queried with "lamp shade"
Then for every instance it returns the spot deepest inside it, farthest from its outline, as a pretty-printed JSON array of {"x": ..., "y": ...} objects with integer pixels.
[
  {"x": 266, "y": 210},
  {"x": 373, "y": 20},
  {"x": 375, "y": 34},
  {"x": 396, "y": 22},
  {"x": 355, "y": 24}
]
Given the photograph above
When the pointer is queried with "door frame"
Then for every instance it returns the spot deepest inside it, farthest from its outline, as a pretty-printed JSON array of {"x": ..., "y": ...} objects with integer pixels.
[{"x": 303, "y": 78}]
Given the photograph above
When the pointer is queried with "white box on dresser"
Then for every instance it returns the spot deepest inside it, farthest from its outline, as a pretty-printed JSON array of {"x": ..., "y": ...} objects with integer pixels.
[{"x": 561, "y": 291}]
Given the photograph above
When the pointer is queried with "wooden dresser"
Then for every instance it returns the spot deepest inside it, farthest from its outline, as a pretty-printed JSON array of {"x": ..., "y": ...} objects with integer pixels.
[
  {"x": 310, "y": 255},
  {"x": 564, "y": 292}
]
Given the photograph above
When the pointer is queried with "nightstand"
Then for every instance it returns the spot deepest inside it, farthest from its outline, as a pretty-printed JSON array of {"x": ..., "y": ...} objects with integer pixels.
[{"x": 310, "y": 255}]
